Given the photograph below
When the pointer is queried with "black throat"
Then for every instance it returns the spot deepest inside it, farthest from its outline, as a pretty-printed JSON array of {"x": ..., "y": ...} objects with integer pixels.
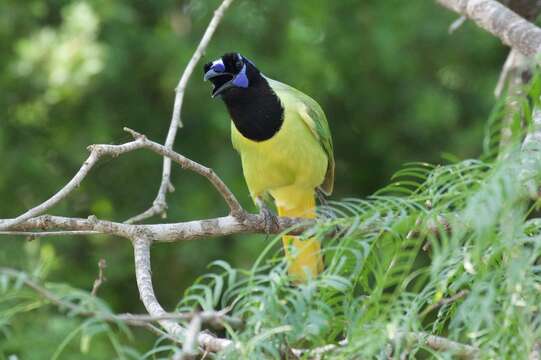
[{"x": 256, "y": 111}]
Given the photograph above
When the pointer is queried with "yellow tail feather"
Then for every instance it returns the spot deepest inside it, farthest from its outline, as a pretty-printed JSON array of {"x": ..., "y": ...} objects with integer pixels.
[{"x": 307, "y": 262}]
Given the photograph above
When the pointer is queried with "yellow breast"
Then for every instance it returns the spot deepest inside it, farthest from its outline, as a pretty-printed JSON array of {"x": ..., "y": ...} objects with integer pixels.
[{"x": 292, "y": 157}]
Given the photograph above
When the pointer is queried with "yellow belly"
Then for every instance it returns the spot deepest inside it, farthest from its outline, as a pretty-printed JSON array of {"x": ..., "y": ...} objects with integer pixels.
[{"x": 290, "y": 162}]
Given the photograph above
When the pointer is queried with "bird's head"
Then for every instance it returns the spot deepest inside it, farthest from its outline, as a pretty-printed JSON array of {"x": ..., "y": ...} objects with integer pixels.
[{"x": 231, "y": 71}]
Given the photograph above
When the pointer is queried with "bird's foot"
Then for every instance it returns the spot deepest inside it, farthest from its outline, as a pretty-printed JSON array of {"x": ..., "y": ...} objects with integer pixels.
[{"x": 271, "y": 220}]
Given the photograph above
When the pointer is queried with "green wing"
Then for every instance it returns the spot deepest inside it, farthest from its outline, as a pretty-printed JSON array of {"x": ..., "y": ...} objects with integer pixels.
[{"x": 314, "y": 117}]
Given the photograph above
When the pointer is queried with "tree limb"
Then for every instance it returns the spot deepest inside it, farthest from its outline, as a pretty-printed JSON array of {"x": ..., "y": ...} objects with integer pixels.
[
  {"x": 516, "y": 72},
  {"x": 141, "y": 246},
  {"x": 501, "y": 22},
  {"x": 188, "y": 230},
  {"x": 234, "y": 206},
  {"x": 37, "y": 234}
]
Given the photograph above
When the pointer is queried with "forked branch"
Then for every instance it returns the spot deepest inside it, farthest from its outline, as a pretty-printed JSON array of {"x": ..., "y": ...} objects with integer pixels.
[{"x": 96, "y": 153}]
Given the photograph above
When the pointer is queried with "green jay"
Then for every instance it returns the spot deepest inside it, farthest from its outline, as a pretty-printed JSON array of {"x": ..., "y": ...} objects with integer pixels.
[{"x": 285, "y": 145}]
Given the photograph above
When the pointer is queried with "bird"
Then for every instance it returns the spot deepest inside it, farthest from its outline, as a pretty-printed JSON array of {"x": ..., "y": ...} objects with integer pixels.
[{"x": 285, "y": 146}]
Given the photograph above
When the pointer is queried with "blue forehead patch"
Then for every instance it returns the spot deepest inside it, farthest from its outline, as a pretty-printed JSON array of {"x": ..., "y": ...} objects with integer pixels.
[
  {"x": 241, "y": 80},
  {"x": 218, "y": 66}
]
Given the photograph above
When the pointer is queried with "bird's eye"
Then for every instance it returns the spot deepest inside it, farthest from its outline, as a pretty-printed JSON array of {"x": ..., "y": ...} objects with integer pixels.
[{"x": 239, "y": 64}]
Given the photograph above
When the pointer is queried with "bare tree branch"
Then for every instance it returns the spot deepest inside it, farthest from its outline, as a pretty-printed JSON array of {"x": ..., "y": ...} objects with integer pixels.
[
  {"x": 516, "y": 72},
  {"x": 159, "y": 205},
  {"x": 72, "y": 226},
  {"x": 101, "y": 150},
  {"x": 455, "y": 25},
  {"x": 141, "y": 246},
  {"x": 234, "y": 206},
  {"x": 188, "y": 230},
  {"x": 501, "y": 22}
]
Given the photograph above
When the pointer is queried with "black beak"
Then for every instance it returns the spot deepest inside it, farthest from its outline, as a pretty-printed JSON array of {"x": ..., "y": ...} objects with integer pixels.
[
  {"x": 220, "y": 79},
  {"x": 211, "y": 73}
]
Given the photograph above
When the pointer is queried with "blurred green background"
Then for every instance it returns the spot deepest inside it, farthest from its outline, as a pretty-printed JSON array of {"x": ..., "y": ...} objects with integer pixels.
[{"x": 395, "y": 85}]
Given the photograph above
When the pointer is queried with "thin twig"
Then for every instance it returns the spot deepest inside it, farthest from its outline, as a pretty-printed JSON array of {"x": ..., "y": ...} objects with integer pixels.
[
  {"x": 234, "y": 206},
  {"x": 216, "y": 319},
  {"x": 159, "y": 205},
  {"x": 455, "y": 25},
  {"x": 102, "y": 264},
  {"x": 445, "y": 301},
  {"x": 433, "y": 226},
  {"x": 504, "y": 74},
  {"x": 41, "y": 291},
  {"x": 318, "y": 352},
  {"x": 96, "y": 152},
  {"x": 190, "y": 348},
  {"x": 156, "y": 330}
]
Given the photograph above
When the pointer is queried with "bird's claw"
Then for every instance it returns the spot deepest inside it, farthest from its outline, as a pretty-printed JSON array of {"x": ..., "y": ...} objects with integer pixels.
[{"x": 271, "y": 220}]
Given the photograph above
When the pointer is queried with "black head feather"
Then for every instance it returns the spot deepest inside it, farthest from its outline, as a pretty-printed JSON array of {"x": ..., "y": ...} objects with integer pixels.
[{"x": 252, "y": 104}]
